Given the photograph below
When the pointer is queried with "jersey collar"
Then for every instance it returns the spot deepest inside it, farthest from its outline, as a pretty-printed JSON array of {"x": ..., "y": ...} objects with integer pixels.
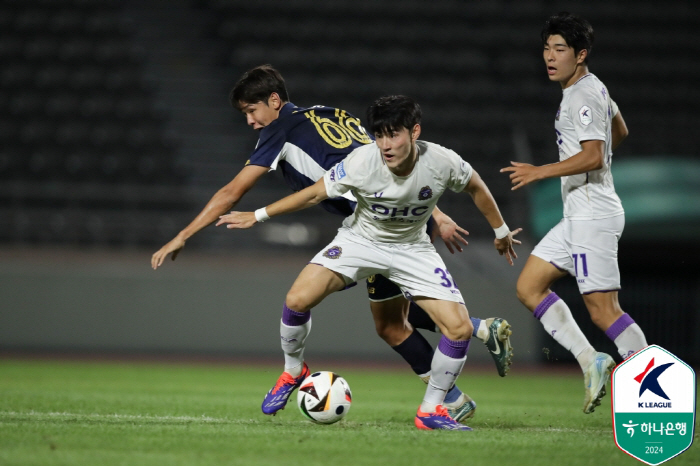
[{"x": 287, "y": 109}]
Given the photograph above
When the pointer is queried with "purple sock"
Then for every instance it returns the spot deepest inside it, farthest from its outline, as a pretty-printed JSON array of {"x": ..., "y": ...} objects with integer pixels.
[
  {"x": 452, "y": 348},
  {"x": 294, "y": 318},
  {"x": 619, "y": 326},
  {"x": 545, "y": 305}
]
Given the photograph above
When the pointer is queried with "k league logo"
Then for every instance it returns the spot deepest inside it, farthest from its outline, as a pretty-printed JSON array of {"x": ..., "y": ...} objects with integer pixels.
[{"x": 653, "y": 402}]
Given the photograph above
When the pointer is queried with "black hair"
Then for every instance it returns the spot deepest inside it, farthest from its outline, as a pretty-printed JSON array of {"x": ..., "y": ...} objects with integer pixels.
[
  {"x": 576, "y": 31},
  {"x": 392, "y": 113},
  {"x": 256, "y": 85}
]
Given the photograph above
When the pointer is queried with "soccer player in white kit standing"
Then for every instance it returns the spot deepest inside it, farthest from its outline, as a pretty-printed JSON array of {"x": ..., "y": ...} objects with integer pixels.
[
  {"x": 397, "y": 180},
  {"x": 588, "y": 128}
]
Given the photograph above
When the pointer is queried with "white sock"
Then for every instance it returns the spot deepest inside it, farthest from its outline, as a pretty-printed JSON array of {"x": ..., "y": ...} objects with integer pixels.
[
  {"x": 482, "y": 332},
  {"x": 627, "y": 335},
  {"x": 293, "y": 339},
  {"x": 557, "y": 320},
  {"x": 444, "y": 371}
]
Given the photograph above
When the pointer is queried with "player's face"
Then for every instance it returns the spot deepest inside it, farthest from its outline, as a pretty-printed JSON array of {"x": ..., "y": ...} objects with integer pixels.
[
  {"x": 399, "y": 150},
  {"x": 563, "y": 64},
  {"x": 260, "y": 114}
]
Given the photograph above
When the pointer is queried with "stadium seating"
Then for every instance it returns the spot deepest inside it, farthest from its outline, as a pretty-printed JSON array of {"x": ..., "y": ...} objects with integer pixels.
[
  {"x": 474, "y": 66},
  {"x": 76, "y": 107},
  {"x": 76, "y": 113}
]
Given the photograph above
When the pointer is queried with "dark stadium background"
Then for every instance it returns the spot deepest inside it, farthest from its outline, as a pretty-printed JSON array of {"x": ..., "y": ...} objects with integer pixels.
[{"x": 115, "y": 130}]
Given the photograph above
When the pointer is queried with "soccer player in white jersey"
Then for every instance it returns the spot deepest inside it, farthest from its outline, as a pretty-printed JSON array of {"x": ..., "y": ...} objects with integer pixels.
[
  {"x": 588, "y": 128},
  {"x": 397, "y": 181},
  {"x": 302, "y": 144}
]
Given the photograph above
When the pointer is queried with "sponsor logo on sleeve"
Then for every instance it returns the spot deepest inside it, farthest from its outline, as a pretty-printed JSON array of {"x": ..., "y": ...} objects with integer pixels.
[
  {"x": 585, "y": 115},
  {"x": 340, "y": 169}
]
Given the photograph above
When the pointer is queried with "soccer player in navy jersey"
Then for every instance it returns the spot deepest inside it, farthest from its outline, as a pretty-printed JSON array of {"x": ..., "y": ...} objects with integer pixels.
[
  {"x": 304, "y": 143},
  {"x": 588, "y": 127}
]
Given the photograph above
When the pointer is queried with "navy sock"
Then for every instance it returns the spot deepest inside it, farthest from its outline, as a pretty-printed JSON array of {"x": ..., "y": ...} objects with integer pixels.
[
  {"x": 452, "y": 394},
  {"x": 475, "y": 322},
  {"x": 417, "y": 352}
]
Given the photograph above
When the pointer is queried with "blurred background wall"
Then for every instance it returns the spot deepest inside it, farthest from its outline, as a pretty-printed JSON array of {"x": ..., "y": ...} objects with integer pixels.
[{"x": 115, "y": 129}]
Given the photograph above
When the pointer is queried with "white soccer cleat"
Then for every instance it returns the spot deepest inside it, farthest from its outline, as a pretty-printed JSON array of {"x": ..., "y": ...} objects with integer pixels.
[{"x": 595, "y": 377}]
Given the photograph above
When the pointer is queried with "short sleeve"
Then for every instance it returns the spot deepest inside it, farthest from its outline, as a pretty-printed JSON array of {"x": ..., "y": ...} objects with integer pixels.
[
  {"x": 588, "y": 113},
  {"x": 460, "y": 172},
  {"x": 269, "y": 148},
  {"x": 613, "y": 108},
  {"x": 345, "y": 175}
]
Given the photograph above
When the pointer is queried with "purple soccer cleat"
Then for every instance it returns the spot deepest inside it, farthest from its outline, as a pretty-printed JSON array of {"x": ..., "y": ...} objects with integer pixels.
[
  {"x": 439, "y": 420},
  {"x": 276, "y": 399}
]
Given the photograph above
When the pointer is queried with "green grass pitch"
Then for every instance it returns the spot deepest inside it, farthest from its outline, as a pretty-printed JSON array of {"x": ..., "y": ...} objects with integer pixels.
[{"x": 148, "y": 413}]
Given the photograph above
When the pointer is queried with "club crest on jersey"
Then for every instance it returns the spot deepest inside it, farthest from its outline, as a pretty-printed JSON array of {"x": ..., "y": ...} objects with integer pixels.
[
  {"x": 334, "y": 252},
  {"x": 585, "y": 116},
  {"x": 558, "y": 113},
  {"x": 425, "y": 193}
]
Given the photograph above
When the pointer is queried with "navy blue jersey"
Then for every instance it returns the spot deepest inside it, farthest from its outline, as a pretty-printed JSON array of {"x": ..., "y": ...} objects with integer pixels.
[{"x": 305, "y": 143}]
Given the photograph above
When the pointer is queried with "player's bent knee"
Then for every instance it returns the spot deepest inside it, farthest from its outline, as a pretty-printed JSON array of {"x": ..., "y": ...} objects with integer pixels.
[
  {"x": 392, "y": 335},
  {"x": 529, "y": 294},
  {"x": 459, "y": 331},
  {"x": 297, "y": 302}
]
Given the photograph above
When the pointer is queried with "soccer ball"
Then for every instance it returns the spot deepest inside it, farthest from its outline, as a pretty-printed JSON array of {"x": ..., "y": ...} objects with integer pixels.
[{"x": 324, "y": 397}]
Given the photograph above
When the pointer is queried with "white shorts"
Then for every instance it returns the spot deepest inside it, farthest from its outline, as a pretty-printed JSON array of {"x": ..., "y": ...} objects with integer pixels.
[
  {"x": 416, "y": 268},
  {"x": 587, "y": 250}
]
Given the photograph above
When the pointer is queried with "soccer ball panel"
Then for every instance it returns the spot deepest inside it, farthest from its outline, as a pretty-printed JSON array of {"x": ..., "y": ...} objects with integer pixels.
[{"x": 324, "y": 397}]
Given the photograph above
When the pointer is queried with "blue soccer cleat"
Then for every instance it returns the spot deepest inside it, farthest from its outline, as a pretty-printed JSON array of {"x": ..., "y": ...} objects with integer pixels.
[
  {"x": 276, "y": 399},
  {"x": 439, "y": 420}
]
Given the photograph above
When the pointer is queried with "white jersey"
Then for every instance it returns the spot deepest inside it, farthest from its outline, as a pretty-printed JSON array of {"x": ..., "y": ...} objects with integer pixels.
[
  {"x": 585, "y": 114},
  {"x": 391, "y": 208}
]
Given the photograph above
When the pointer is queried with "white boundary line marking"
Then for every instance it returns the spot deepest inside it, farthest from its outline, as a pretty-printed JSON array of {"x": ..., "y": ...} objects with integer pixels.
[{"x": 123, "y": 417}]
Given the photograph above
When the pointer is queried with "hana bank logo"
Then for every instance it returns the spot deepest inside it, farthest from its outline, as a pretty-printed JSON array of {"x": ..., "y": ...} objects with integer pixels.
[
  {"x": 649, "y": 381},
  {"x": 653, "y": 405}
]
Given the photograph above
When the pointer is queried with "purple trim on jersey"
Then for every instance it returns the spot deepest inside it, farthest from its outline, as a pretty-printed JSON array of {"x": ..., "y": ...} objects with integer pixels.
[
  {"x": 582, "y": 78},
  {"x": 601, "y": 291},
  {"x": 475, "y": 322},
  {"x": 619, "y": 326},
  {"x": 294, "y": 318},
  {"x": 545, "y": 305},
  {"x": 453, "y": 349}
]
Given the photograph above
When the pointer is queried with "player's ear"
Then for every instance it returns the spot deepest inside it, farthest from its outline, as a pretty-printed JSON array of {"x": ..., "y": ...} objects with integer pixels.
[
  {"x": 582, "y": 54},
  {"x": 415, "y": 132},
  {"x": 274, "y": 101}
]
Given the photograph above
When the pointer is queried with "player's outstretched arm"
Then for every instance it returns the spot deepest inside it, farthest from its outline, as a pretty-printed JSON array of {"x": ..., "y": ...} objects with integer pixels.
[
  {"x": 303, "y": 199},
  {"x": 224, "y": 200},
  {"x": 486, "y": 204},
  {"x": 590, "y": 158},
  {"x": 449, "y": 231}
]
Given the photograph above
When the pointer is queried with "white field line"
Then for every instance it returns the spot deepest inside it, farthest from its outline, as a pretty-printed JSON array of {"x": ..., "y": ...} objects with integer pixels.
[{"x": 119, "y": 417}]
